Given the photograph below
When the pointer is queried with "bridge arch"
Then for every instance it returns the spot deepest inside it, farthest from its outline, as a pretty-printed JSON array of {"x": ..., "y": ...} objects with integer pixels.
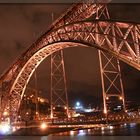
[{"x": 120, "y": 39}]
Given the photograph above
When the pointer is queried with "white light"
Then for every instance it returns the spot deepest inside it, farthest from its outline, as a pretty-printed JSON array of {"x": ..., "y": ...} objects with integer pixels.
[
  {"x": 4, "y": 128},
  {"x": 107, "y": 98},
  {"x": 43, "y": 126},
  {"x": 71, "y": 133},
  {"x": 105, "y": 111},
  {"x": 5, "y": 113},
  {"x": 81, "y": 133},
  {"x": 88, "y": 110},
  {"x": 13, "y": 129},
  {"x": 102, "y": 128},
  {"x": 120, "y": 97},
  {"x": 110, "y": 127},
  {"x": 77, "y": 104},
  {"x": 132, "y": 124}
]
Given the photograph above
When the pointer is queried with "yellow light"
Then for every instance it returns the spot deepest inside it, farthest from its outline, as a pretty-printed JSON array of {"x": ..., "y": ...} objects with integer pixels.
[
  {"x": 110, "y": 127},
  {"x": 120, "y": 98},
  {"x": 36, "y": 113},
  {"x": 71, "y": 133},
  {"x": 43, "y": 126},
  {"x": 31, "y": 96},
  {"x": 42, "y": 100},
  {"x": 102, "y": 128},
  {"x": 5, "y": 113},
  {"x": 13, "y": 129},
  {"x": 51, "y": 116},
  {"x": 107, "y": 98},
  {"x": 105, "y": 111}
]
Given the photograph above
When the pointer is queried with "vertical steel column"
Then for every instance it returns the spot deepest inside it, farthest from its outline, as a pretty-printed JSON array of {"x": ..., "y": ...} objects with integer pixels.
[
  {"x": 36, "y": 95},
  {"x": 65, "y": 84},
  {"x": 121, "y": 84},
  {"x": 58, "y": 82},
  {"x": 51, "y": 101},
  {"x": 105, "y": 69},
  {"x": 102, "y": 80}
]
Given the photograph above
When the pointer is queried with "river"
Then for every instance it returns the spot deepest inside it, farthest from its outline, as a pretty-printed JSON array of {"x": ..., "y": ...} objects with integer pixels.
[{"x": 126, "y": 131}]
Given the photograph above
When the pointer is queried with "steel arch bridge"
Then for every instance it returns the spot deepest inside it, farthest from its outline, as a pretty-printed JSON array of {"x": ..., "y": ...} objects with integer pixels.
[{"x": 120, "y": 39}]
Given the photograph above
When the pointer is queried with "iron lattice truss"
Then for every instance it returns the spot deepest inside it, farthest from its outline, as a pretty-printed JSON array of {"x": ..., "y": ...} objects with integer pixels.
[
  {"x": 111, "y": 79},
  {"x": 110, "y": 72},
  {"x": 59, "y": 95},
  {"x": 120, "y": 39},
  {"x": 113, "y": 37},
  {"x": 77, "y": 12}
]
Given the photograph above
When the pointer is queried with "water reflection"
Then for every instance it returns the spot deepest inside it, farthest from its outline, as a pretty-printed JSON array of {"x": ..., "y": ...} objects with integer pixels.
[
  {"x": 81, "y": 132},
  {"x": 119, "y": 130}
]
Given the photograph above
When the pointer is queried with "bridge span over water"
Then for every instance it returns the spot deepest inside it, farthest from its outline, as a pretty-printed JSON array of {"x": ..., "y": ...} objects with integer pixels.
[{"x": 86, "y": 24}]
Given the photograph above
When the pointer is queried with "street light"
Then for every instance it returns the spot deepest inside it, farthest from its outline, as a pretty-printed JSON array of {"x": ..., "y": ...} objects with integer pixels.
[
  {"x": 107, "y": 98},
  {"x": 120, "y": 98},
  {"x": 77, "y": 104},
  {"x": 43, "y": 126}
]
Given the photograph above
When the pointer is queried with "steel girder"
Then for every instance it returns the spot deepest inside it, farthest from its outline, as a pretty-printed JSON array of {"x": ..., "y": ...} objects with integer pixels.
[
  {"x": 77, "y": 12},
  {"x": 59, "y": 94},
  {"x": 117, "y": 38}
]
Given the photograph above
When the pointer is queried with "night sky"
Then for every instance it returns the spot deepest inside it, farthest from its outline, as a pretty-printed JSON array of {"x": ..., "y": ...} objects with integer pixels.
[{"x": 22, "y": 24}]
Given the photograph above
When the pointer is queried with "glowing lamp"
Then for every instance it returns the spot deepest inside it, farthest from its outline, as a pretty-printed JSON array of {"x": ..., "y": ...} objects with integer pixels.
[
  {"x": 4, "y": 128},
  {"x": 107, "y": 98},
  {"x": 43, "y": 126},
  {"x": 120, "y": 98},
  {"x": 5, "y": 113},
  {"x": 105, "y": 111},
  {"x": 77, "y": 104}
]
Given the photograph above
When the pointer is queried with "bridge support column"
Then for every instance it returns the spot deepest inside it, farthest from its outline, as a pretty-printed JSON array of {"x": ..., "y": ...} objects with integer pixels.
[
  {"x": 112, "y": 85},
  {"x": 59, "y": 97}
]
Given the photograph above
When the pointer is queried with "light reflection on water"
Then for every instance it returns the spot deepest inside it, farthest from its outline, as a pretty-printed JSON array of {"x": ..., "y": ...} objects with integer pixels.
[
  {"x": 86, "y": 134},
  {"x": 120, "y": 130}
]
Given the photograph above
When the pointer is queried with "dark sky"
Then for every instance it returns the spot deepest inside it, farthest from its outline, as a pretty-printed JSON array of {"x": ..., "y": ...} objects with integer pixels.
[{"x": 21, "y": 24}]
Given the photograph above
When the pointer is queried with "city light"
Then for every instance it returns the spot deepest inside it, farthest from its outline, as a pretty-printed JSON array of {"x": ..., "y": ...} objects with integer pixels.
[
  {"x": 102, "y": 128},
  {"x": 120, "y": 98},
  {"x": 81, "y": 133},
  {"x": 4, "y": 128},
  {"x": 71, "y": 133},
  {"x": 110, "y": 127},
  {"x": 43, "y": 126},
  {"x": 5, "y": 113},
  {"x": 107, "y": 98},
  {"x": 13, "y": 129},
  {"x": 27, "y": 113},
  {"x": 36, "y": 113},
  {"x": 77, "y": 104},
  {"x": 105, "y": 111}
]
